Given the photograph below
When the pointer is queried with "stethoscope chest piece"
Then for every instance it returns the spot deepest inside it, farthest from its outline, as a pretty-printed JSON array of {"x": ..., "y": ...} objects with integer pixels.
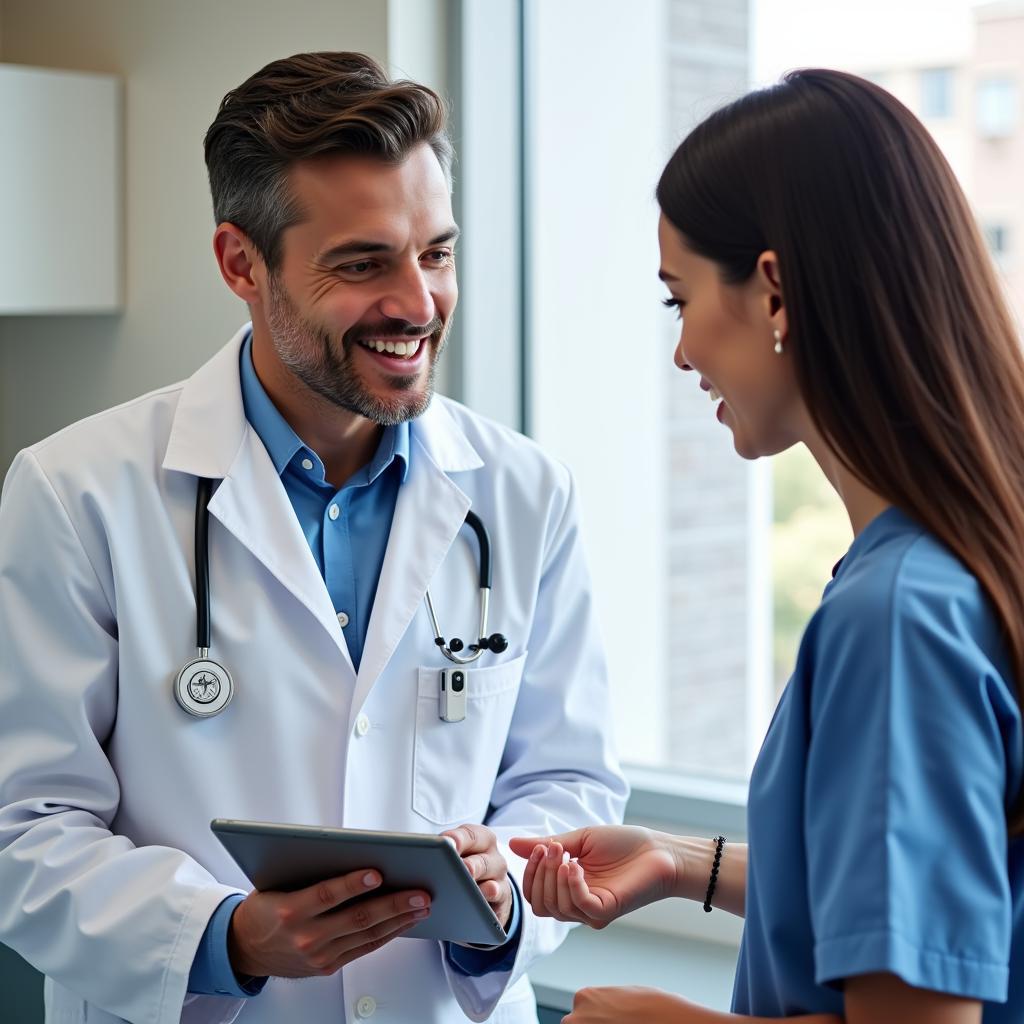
[{"x": 203, "y": 688}]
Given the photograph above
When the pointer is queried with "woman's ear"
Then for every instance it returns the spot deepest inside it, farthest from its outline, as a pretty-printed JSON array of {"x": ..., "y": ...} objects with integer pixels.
[{"x": 769, "y": 283}]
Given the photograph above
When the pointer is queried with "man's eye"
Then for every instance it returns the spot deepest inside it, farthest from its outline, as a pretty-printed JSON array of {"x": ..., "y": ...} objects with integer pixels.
[
  {"x": 362, "y": 267},
  {"x": 441, "y": 256}
]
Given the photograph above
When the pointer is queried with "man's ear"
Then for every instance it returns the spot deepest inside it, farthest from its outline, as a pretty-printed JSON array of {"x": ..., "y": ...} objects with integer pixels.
[
  {"x": 769, "y": 281},
  {"x": 240, "y": 264}
]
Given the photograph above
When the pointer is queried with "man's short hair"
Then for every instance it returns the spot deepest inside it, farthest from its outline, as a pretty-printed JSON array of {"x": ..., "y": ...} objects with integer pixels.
[{"x": 305, "y": 106}]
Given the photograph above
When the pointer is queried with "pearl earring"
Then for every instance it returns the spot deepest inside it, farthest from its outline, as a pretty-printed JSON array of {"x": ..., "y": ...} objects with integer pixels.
[{"x": 777, "y": 334}]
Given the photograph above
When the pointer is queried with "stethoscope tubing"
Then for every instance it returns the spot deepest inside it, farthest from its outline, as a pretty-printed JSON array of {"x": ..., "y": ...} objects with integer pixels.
[
  {"x": 450, "y": 649},
  {"x": 476, "y": 524},
  {"x": 204, "y": 490}
]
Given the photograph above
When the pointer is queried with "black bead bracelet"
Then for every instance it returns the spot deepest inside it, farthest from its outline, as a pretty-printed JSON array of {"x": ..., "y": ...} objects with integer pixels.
[{"x": 719, "y": 843}]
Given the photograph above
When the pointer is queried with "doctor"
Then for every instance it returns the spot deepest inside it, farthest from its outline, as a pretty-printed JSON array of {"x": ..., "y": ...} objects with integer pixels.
[{"x": 340, "y": 490}]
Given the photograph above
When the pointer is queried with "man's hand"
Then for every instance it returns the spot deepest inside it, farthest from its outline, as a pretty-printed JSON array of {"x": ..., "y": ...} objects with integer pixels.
[
  {"x": 477, "y": 845},
  {"x": 314, "y": 931}
]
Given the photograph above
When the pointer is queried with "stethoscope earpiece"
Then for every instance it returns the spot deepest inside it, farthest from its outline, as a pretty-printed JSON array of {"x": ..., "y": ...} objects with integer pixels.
[{"x": 496, "y": 643}]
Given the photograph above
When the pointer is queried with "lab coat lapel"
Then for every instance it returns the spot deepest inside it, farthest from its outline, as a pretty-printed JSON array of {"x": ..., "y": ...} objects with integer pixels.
[
  {"x": 210, "y": 437},
  {"x": 429, "y": 514},
  {"x": 252, "y": 503}
]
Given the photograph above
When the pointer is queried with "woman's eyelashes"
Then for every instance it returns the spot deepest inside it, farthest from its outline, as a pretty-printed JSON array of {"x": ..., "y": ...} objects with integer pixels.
[{"x": 676, "y": 304}]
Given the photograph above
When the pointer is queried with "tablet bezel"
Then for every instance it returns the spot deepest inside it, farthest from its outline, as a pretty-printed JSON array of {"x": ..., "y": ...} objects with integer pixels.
[{"x": 283, "y": 858}]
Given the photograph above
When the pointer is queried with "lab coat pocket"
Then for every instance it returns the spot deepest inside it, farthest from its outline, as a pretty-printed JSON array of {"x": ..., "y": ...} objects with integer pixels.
[{"x": 455, "y": 763}]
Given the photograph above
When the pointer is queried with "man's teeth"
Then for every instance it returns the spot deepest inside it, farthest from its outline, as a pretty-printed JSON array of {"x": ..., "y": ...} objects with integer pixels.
[
  {"x": 405, "y": 349},
  {"x": 715, "y": 396}
]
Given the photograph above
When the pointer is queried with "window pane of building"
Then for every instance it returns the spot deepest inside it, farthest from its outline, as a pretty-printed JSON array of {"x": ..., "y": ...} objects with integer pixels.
[
  {"x": 997, "y": 106},
  {"x": 937, "y": 92}
]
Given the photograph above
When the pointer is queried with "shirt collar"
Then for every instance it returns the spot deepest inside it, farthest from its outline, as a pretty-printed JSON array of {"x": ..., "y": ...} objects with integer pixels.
[
  {"x": 282, "y": 443},
  {"x": 393, "y": 447}
]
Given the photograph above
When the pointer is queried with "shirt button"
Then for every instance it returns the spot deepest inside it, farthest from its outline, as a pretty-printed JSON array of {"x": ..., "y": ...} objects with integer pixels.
[
  {"x": 366, "y": 1006},
  {"x": 307, "y": 463},
  {"x": 343, "y": 619},
  {"x": 362, "y": 728},
  {"x": 334, "y": 511}
]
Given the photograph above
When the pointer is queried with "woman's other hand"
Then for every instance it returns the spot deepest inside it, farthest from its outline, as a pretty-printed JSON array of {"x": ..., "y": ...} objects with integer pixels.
[{"x": 616, "y": 1005}]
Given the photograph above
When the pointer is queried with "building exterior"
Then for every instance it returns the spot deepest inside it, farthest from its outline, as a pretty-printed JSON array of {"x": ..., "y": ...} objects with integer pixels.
[{"x": 970, "y": 100}]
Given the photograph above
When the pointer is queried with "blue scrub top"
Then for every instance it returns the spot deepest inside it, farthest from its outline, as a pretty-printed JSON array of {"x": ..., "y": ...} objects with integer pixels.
[{"x": 877, "y": 805}]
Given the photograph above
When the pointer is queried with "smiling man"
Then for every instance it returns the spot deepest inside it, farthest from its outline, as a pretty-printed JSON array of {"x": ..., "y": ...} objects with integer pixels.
[{"x": 334, "y": 535}]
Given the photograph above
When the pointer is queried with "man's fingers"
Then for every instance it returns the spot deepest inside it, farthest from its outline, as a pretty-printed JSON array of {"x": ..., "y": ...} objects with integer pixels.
[
  {"x": 370, "y": 916},
  {"x": 476, "y": 865},
  {"x": 471, "y": 838},
  {"x": 486, "y": 865},
  {"x": 332, "y": 892},
  {"x": 351, "y": 947}
]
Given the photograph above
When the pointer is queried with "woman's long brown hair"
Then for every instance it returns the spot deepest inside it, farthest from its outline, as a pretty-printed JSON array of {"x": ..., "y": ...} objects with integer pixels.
[{"x": 906, "y": 354}]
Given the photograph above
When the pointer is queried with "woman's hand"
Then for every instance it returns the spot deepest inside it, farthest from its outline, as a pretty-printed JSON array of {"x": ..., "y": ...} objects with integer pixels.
[
  {"x": 610, "y": 870},
  {"x": 618, "y": 1005}
]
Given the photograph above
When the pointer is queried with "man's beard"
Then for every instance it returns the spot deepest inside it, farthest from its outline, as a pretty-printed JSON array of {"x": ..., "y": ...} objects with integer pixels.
[{"x": 310, "y": 354}]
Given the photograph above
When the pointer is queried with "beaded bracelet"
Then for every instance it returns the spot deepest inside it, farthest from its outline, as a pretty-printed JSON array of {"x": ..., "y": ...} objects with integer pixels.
[{"x": 719, "y": 843}]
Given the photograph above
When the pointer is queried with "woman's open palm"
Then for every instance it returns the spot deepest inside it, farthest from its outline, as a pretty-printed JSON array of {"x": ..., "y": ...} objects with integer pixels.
[{"x": 610, "y": 871}]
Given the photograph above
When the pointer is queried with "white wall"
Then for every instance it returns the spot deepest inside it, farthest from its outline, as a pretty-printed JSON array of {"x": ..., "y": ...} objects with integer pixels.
[{"x": 177, "y": 60}]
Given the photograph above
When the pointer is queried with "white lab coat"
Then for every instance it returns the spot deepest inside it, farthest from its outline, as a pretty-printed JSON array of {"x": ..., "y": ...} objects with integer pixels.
[{"x": 108, "y": 869}]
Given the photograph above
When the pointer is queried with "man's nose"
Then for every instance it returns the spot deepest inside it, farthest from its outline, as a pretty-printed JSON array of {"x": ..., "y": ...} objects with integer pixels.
[{"x": 409, "y": 298}]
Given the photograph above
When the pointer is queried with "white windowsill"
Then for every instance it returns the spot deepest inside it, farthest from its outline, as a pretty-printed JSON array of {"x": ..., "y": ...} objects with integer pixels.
[{"x": 622, "y": 955}]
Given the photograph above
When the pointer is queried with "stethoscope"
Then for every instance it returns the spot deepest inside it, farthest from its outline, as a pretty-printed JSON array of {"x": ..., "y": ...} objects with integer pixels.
[{"x": 204, "y": 686}]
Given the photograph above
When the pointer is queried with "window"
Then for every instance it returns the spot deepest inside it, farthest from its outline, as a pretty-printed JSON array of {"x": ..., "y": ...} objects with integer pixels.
[
  {"x": 676, "y": 523},
  {"x": 936, "y": 92},
  {"x": 705, "y": 567},
  {"x": 997, "y": 238},
  {"x": 997, "y": 106},
  {"x": 810, "y": 530}
]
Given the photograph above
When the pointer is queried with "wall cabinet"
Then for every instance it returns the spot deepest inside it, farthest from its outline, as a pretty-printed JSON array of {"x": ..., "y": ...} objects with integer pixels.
[{"x": 61, "y": 191}]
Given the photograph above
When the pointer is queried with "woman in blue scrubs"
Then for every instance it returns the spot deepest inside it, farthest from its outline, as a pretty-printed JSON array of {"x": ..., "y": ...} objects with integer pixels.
[{"x": 836, "y": 293}]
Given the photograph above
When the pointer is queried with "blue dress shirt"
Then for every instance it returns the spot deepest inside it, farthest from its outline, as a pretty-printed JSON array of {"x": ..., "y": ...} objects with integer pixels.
[{"x": 347, "y": 529}]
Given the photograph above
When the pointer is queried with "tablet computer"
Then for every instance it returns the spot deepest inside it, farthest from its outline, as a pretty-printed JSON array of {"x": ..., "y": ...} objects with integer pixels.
[{"x": 283, "y": 858}]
